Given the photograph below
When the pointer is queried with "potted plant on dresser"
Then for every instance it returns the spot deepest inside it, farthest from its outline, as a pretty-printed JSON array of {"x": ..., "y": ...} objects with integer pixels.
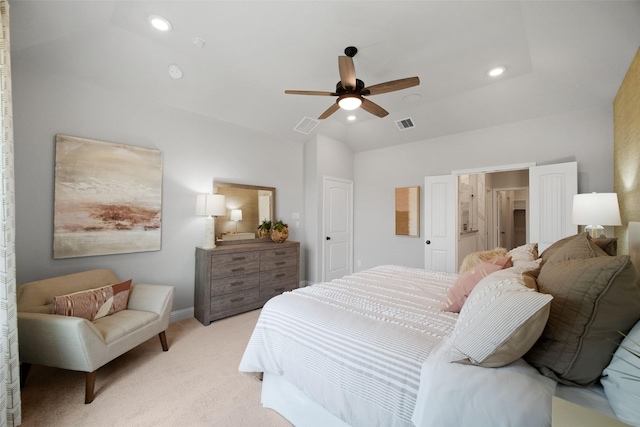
[
  {"x": 279, "y": 231},
  {"x": 264, "y": 229}
]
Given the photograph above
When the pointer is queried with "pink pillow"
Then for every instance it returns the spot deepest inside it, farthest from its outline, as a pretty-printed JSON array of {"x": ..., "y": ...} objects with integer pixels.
[{"x": 458, "y": 294}]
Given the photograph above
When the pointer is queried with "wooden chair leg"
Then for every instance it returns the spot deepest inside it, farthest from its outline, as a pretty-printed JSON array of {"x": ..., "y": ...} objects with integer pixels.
[
  {"x": 163, "y": 341},
  {"x": 24, "y": 372},
  {"x": 90, "y": 386}
]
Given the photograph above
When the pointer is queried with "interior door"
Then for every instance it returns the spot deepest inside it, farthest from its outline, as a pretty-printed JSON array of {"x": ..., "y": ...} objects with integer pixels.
[
  {"x": 551, "y": 191},
  {"x": 338, "y": 229},
  {"x": 440, "y": 213}
]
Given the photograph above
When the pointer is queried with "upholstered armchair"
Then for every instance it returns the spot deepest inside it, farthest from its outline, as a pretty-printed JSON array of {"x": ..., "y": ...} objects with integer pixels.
[{"x": 78, "y": 344}]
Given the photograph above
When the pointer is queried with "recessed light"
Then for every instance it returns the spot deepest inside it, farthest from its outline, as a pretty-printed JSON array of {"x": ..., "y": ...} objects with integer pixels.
[
  {"x": 160, "y": 23},
  {"x": 496, "y": 71},
  {"x": 351, "y": 118}
]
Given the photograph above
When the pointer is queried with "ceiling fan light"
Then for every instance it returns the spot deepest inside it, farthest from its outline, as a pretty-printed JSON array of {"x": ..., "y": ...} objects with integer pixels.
[{"x": 349, "y": 102}]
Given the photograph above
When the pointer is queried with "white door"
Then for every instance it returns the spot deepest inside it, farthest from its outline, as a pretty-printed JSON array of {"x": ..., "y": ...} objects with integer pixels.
[
  {"x": 440, "y": 213},
  {"x": 551, "y": 191},
  {"x": 338, "y": 229}
]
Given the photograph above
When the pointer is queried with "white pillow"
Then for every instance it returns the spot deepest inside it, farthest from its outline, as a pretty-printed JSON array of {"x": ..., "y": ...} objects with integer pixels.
[
  {"x": 499, "y": 322},
  {"x": 621, "y": 380},
  {"x": 523, "y": 254}
]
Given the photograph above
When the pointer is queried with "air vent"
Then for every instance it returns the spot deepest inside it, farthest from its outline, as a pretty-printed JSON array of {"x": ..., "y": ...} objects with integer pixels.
[
  {"x": 306, "y": 125},
  {"x": 405, "y": 124}
]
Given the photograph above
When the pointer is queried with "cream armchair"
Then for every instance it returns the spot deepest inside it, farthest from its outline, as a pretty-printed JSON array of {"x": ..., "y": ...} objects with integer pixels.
[{"x": 79, "y": 344}]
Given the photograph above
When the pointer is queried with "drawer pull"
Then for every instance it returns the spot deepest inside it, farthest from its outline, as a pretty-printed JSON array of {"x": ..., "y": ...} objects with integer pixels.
[
  {"x": 280, "y": 262},
  {"x": 279, "y": 275},
  {"x": 280, "y": 252},
  {"x": 233, "y": 270},
  {"x": 237, "y": 283},
  {"x": 237, "y": 299},
  {"x": 238, "y": 258}
]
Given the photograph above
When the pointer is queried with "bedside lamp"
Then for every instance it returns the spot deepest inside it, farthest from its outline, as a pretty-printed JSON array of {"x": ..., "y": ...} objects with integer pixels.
[
  {"x": 236, "y": 215},
  {"x": 594, "y": 210},
  {"x": 211, "y": 205}
]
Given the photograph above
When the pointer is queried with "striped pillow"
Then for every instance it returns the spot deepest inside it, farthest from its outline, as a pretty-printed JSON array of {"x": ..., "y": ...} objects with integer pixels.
[
  {"x": 93, "y": 304},
  {"x": 499, "y": 323}
]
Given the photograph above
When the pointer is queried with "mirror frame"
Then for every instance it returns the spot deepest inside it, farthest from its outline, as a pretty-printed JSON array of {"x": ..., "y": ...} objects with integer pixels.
[{"x": 222, "y": 184}]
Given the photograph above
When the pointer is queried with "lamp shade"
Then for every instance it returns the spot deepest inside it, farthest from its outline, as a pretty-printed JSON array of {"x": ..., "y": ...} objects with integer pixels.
[
  {"x": 236, "y": 215},
  {"x": 210, "y": 204},
  {"x": 596, "y": 209}
]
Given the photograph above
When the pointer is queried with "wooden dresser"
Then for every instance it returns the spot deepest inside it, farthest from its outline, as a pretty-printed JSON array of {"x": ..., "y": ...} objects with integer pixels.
[{"x": 232, "y": 279}]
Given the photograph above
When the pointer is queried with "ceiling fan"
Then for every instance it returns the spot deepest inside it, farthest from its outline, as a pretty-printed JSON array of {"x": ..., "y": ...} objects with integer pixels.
[{"x": 351, "y": 91}]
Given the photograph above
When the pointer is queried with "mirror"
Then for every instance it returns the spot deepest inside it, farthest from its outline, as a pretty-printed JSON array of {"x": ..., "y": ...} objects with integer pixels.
[
  {"x": 247, "y": 206},
  {"x": 408, "y": 211}
]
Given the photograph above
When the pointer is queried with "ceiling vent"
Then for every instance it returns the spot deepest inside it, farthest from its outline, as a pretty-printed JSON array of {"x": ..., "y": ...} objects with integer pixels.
[
  {"x": 405, "y": 124},
  {"x": 306, "y": 125}
]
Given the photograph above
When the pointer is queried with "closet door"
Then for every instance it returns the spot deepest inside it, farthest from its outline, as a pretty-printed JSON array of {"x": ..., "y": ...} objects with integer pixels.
[
  {"x": 551, "y": 191},
  {"x": 440, "y": 200}
]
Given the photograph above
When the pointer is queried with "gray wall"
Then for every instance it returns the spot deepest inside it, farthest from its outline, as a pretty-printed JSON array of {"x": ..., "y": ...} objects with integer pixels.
[
  {"x": 584, "y": 136},
  {"x": 195, "y": 151}
]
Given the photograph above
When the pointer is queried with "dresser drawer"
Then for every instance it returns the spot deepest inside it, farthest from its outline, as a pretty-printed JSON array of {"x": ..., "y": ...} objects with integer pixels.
[
  {"x": 278, "y": 258},
  {"x": 280, "y": 276},
  {"x": 268, "y": 292},
  {"x": 229, "y": 284},
  {"x": 236, "y": 263},
  {"x": 229, "y": 302}
]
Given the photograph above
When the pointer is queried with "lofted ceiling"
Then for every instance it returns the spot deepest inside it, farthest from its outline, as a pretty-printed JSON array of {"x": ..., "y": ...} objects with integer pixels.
[{"x": 559, "y": 56}]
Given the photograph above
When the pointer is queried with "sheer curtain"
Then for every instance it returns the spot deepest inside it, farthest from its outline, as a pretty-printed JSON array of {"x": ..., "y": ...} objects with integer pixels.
[{"x": 10, "y": 414}]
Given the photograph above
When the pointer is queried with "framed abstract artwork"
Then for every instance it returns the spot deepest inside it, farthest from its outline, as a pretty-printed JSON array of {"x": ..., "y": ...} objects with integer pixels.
[
  {"x": 408, "y": 211},
  {"x": 108, "y": 198}
]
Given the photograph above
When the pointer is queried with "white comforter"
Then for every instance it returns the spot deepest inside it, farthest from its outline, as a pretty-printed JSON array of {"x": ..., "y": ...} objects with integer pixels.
[{"x": 361, "y": 347}]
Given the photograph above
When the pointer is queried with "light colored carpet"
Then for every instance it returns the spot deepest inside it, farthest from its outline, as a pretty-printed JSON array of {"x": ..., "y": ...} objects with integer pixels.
[{"x": 195, "y": 383}]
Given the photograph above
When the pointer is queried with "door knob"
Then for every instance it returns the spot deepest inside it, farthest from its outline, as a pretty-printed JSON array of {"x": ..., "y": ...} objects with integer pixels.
[
  {"x": 428, "y": 242},
  {"x": 328, "y": 238}
]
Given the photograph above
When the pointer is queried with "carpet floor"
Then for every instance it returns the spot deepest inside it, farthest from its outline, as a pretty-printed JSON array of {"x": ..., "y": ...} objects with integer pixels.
[{"x": 195, "y": 383}]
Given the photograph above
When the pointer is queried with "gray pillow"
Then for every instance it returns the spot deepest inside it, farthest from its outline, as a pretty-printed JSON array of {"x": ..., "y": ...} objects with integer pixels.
[{"x": 594, "y": 297}]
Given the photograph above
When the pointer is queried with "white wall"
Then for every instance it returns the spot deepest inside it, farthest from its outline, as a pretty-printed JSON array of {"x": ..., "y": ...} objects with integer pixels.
[
  {"x": 584, "y": 136},
  {"x": 324, "y": 157},
  {"x": 195, "y": 150}
]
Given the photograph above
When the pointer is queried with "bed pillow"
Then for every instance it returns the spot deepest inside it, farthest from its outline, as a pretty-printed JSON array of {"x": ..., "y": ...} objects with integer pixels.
[
  {"x": 523, "y": 254},
  {"x": 526, "y": 271},
  {"x": 499, "y": 323},
  {"x": 595, "y": 296},
  {"x": 476, "y": 258},
  {"x": 93, "y": 304},
  {"x": 607, "y": 244},
  {"x": 457, "y": 295},
  {"x": 621, "y": 379}
]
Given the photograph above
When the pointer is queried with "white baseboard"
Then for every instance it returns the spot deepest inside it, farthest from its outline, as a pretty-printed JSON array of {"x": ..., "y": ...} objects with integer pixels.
[{"x": 185, "y": 313}]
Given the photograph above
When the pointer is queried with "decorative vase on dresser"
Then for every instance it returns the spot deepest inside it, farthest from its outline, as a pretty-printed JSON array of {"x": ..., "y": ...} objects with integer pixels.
[{"x": 233, "y": 279}]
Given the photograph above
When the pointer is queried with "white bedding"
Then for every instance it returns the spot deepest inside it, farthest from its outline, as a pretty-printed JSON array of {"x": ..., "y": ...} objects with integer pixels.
[
  {"x": 355, "y": 345},
  {"x": 370, "y": 348},
  {"x": 458, "y": 395}
]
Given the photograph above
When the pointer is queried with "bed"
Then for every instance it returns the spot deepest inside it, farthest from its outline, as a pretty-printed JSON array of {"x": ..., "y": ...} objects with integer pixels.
[{"x": 375, "y": 348}]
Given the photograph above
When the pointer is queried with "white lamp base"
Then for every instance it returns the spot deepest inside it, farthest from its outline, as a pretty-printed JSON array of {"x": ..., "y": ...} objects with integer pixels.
[{"x": 209, "y": 233}]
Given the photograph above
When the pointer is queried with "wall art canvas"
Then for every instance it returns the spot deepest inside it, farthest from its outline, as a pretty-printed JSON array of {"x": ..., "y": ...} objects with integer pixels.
[
  {"x": 408, "y": 211},
  {"x": 108, "y": 198}
]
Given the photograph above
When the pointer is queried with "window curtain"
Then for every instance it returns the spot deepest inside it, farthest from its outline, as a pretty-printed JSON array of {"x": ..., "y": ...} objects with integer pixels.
[{"x": 10, "y": 413}]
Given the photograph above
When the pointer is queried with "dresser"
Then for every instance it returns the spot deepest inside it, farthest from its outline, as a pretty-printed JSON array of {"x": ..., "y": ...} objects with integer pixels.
[{"x": 232, "y": 279}]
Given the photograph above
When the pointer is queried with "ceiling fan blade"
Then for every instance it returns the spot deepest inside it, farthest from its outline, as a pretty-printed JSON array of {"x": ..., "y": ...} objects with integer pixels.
[
  {"x": 391, "y": 86},
  {"x": 309, "y": 92},
  {"x": 329, "y": 111},
  {"x": 347, "y": 72},
  {"x": 373, "y": 108}
]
